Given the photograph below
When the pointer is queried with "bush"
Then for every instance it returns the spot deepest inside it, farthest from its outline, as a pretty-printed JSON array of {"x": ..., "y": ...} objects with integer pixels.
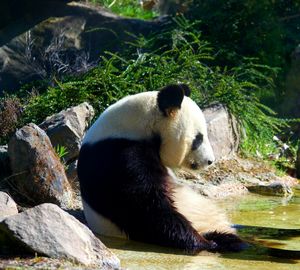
[
  {"x": 187, "y": 59},
  {"x": 264, "y": 29},
  {"x": 128, "y": 8},
  {"x": 10, "y": 112}
]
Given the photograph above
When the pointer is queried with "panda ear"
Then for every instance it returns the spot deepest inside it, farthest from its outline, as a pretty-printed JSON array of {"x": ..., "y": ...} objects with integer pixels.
[
  {"x": 170, "y": 97},
  {"x": 185, "y": 89}
]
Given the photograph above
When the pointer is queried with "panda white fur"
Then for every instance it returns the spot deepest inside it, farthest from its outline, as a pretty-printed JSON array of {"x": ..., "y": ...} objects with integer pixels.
[{"x": 127, "y": 187}]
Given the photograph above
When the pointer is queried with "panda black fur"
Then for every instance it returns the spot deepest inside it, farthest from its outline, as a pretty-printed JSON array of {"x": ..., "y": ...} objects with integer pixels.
[{"x": 127, "y": 187}]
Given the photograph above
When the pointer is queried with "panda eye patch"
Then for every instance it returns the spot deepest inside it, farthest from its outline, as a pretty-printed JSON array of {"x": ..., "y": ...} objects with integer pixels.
[{"x": 197, "y": 141}]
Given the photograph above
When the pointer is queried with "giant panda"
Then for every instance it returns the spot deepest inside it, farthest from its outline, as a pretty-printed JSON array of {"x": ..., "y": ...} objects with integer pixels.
[{"x": 125, "y": 171}]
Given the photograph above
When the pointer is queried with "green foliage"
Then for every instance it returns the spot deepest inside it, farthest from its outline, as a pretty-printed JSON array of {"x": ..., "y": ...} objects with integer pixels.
[
  {"x": 251, "y": 28},
  {"x": 61, "y": 151},
  {"x": 128, "y": 8},
  {"x": 286, "y": 154},
  {"x": 264, "y": 29},
  {"x": 64, "y": 95},
  {"x": 239, "y": 89},
  {"x": 187, "y": 59}
]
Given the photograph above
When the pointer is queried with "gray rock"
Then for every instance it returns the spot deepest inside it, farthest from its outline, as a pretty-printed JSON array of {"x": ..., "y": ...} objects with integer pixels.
[
  {"x": 7, "y": 206},
  {"x": 248, "y": 179},
  {"x": 57, "y": 39},
  {"x": 68, "y": 127},
  {"x": 273, "y": 189},
  {"x": 72, "y": 176},
  {"x": 37, "y": 171},
  {"x": 4, "y": 162},
  {"x": 226, "y": 187},
  {"x": 71, "y": 173},
  {"x": 222, "y": 131},
  {"x": 48, "y": 230}
]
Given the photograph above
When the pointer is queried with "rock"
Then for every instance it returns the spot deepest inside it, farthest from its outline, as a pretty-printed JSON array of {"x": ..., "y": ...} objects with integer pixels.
[
  {"x": 227, "y": 187},
  {"x": 72, "y": 176},
  {"x": 7, "y": 206},
  {"x": 62, "y": 38},
  {"x": 40, "y": 263},
  {"x": 249, "y": 180},
  {"x": 71, "y": 173},
  {"x": 222, "y": 130},
  {"x": 4, "y": 162},
  {"x": 68, "y": 127},
  {"x": 48, "y": 230},
  {"x": 273, "y": 189},
  {"x": 37, "y": 171},
  {"x": 235, "y": 177}
]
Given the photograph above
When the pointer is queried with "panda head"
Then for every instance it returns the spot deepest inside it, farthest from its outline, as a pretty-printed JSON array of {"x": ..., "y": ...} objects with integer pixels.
[{"x": 183, "y": 131}]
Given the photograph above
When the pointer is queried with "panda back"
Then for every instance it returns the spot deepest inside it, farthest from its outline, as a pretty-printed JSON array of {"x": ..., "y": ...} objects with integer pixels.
[{"x": 132, "y": 117}]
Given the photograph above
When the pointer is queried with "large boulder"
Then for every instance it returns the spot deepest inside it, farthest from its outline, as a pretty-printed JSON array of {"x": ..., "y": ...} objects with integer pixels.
[
  {"x": 48, "y": 230},
  {"x": 68, "y": 127},
  {"x": 62, "y": 38},
  {"x": 222, "y": 130},
  {"x": 37, "y": 171},
  {"x": 7, "y": 206}
]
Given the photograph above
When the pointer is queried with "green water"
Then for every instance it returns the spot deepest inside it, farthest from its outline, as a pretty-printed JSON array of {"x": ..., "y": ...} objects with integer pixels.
[{"x": 254, "y": 210}]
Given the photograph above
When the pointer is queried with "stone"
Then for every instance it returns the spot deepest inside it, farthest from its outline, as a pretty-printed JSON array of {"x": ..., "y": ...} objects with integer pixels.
[
  {"x": 273, "y": 189},
  {"x": 7, "y": 206},
  {"x": 236, "y": 177},
  {"x": 38, "y": 174},
  {"x": 72, "y": 176},
  {"x": 68, "y": 127},
  {"x": 4, "y": 162},
  {"x": 48, "y": 230},
  {"x": 57, "y": 39},
  {"x": 222, "y": 131},
  {"x": 71, "y": 173}
]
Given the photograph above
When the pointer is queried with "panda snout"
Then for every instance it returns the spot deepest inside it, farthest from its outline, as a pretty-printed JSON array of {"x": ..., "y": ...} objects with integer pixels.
[{"x": 195, "y": 166}]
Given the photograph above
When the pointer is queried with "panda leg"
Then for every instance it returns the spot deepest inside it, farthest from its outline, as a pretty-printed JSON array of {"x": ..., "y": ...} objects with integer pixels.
[
  {"x": 160, "y": 223},
  {"x": 207, "y": 219},
  {"x": 226, "y": 241},
  {"x": 155, "y": 220}
]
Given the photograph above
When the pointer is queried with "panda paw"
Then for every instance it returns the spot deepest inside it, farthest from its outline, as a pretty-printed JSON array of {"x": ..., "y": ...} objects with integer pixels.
[{"x": 225, "y": 242}]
